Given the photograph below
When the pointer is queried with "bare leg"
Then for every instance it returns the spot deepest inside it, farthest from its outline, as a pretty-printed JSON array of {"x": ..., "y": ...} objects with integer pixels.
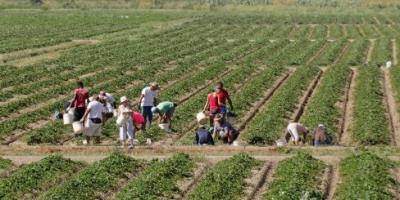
[{"x": 88, "y": 140}]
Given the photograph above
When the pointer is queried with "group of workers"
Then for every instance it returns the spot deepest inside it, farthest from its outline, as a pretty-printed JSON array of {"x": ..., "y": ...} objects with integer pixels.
[{"x": 94, "y": 111}]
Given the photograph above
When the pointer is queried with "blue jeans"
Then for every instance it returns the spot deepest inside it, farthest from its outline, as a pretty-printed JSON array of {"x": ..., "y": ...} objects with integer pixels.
[{"x": 147, "y": 114}]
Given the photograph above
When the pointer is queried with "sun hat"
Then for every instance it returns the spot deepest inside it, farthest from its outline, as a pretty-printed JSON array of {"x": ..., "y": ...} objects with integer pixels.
[
  {"x": 321, "y": 125},
  {"x": 155, "y": 84},
  {"x": 123, "y": 99}
]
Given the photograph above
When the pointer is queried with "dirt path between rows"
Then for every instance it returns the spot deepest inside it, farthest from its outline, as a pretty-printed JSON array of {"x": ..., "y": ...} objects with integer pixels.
[
  {"x": 343, "y": 105},
  {"x": 391, "y": 107},
  {"x": 267, "y": 180},
  {"x": 361, "y": 31},
  {"x": 311, "y": 31},
  {"x": 319, "y": 52},
  {"x": 257, "y": 180},
  {"x": 344, "y": 30},
  {"x": 377, "y": 20},
  {"x": 186, "y": 186},
  {"x": 333, "y": 181},
  {"x": 378, "y": 31},
  {"x": 345, "y": 136},
  {"x": 395, "y": 173}
]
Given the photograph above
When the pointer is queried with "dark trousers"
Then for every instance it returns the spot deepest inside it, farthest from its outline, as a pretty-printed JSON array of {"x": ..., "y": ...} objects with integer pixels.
[{"x": 78, "y": 114}]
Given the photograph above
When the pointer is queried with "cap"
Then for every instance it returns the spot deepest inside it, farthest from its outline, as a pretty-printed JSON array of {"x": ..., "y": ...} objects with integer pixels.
[
  {"x": 154, "y": 109},
  {"x": 123, "y": 99}
]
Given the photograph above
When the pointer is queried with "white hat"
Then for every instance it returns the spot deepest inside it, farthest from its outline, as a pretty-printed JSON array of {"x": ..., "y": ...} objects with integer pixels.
[
  {"x": 321, "y": 125},
  {"x": 123, "y": 99}
]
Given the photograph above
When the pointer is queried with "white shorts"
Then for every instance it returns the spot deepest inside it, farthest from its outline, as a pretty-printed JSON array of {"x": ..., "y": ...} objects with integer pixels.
[
  {"x": 92, "y": 129},
  {"x": 127, "y": 130}
]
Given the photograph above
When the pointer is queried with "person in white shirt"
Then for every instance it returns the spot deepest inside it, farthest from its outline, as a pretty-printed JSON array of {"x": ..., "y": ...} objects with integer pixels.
[
  {"x": 147, "y": 101},
  {"x": 93, "y": 120},
  {"x": 127, "y": 128},
  {"x": 109, "y": 98}
]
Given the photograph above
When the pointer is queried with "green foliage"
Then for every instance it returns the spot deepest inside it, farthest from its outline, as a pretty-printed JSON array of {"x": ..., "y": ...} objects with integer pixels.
[
  {"x": 226, "y": 179},
  {"x": 5, "y": 163},
  {"x": 268, "y": 125},
  {"x": 370, "y": 124},
  {"x": 36, "y": 177},
  {"x": 159, "y": 181},
  {"x": 102, "y": 176},
  {"x": 365, "y": 176},
  {"x": 323, "y": 108},
  {"x": 297, "y": 178}
]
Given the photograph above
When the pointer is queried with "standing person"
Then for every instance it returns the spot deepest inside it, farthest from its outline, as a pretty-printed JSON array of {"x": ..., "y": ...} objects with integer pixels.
[
  {"x": 166, "y": 111},
  {"x": 294, "y": 131},
  {"x": 224, "y": 130},
  {"x": 127, "y": 129},
  {"x": 93, "y": 119},
  {"x": 203, "y": 136},
  {"x": 109, "y": 108},
  {"x": 79, "y": 101},
  {"x": 147, "y": 101},
  {"x": 212, "y": 106},
  {"x": 223, "y": 97}
]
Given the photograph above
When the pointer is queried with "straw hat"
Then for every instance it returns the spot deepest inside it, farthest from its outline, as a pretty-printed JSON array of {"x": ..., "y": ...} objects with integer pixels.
[{"x": 123, "y": 99}]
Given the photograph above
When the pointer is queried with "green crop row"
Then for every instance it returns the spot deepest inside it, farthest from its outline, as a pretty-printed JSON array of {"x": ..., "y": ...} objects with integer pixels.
[
  {"x": 365, "y": 176},
  {"x": 298, "y": 177},
  {"x": 356, "y": 53},
  {"x": 225, "y": 180},
  {"x": 268, "y": 125},
  {"x": 370, "y": 124},
  {"x": 36, "y": 177},
  {"x": 5, "y": 163},
  {"x": 102, "y": 176},
  {"x": 159, "y": 181},
  {"x": 382, "y": 52},
  {"x": 323, "y": 107},
  {"x": 331, "y": 53}
]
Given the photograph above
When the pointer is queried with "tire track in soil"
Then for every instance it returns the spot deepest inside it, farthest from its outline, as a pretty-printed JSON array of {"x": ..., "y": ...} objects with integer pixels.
[
  {"x": 391, "y": 107},
  {"x": 186, "y": 186},
  {"x": 345, "y": 137},
  {"x": 370, "y": 50},
  {"x": 394, "y": 52},
  {"x": 257, "y": 180}
]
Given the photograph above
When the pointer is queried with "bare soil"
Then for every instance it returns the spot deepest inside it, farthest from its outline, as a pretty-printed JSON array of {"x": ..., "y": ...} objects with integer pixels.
[
  {"x": 333, "y": 182},
  {"x": 370, "y": 50},
  {"x": 187, "y": 185},
  {"x": 378, "y": 31},
  {"x": 257, "y": 180},
  {"x": 318, "y": 53},
  {"x": 361, "y": 31},
  {"x": 345, "y": 137},
  {"x": 390, "y": 102},
  {"x": 268, "y": 178},
  {"x": 343, "y": 105}
]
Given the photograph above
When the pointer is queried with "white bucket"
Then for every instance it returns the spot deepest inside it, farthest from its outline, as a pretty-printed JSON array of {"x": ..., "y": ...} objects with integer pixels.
[
  {"x": 68, "y": 118},
  {"x": 201, "y": 118},
  {"x": 164, "y": 126},
  {"x": 121, "y": 120},
  {"x": 77, "y": 127},
  {"x": 388, "y": 64}
]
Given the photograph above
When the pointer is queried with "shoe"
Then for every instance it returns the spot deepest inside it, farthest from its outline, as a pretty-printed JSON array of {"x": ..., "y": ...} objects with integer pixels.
[{"x": 131, "y": 146}]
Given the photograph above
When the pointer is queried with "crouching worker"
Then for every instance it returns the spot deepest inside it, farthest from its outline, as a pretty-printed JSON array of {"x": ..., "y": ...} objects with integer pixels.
[
  {"x": 138, "y": 121},
  {"x": 93, "y": 120},
  {"x": 126, "y": 130},
  {"x": 295, "y": 131},
  {"x": 165, "y": 111},
  {"x": 224, "y": 130},
  {"x": 203, "y": 136},
  {"x": 321, "y": 136}
]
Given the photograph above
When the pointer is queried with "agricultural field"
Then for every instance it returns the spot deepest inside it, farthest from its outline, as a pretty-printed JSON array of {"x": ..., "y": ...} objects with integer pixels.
[{"x": 311, "y": 67}]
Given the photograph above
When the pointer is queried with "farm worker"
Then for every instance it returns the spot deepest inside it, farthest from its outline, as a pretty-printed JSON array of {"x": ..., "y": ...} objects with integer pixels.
[
  {"x": 127, "y": 129},
  {"x": 138, "y": 120},
  {"x": 79, "y": 101},
  {"x": 109, "y": 98},
  {"x": 224, "y": 130},
  {"x": 109, "y": 109},
  {"x": 320, "y": 136},
  {"x": 212, "y": 106},
  {"x": 147, "y": 101},
  {"x": 59, "y": 115},
  {"x": 165, "y": 111},
  {"x": 294, "y": 130},
  {"x": 93, "y": 119},
  {"x": 203, "y": 136},
  {"x": 223, "y": 97}
]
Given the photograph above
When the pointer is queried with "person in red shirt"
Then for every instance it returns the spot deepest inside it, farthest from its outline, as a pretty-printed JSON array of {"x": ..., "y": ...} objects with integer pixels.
[
  {"x": 212, "y": 106},
  {"x": 138, "y": 120},
  {"x": 223, "y": 97},
  {"x": 80, "y": 101}
]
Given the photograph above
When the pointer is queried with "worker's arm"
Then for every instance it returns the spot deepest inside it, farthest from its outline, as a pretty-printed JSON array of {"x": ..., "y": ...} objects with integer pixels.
[
  {"x": 85, "y": 115},
  {"x": 205, "y": 106}
]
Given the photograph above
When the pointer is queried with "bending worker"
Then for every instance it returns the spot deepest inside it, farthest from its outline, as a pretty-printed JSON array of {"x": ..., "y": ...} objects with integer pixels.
[
  {"x": 165, "y": 111},
  {"x": 294, "y": 131}
]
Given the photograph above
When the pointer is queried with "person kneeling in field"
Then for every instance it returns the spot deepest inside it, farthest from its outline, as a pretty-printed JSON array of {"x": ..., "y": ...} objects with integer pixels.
[
  {"x": 138, "y": 121},
  {"x": 93, "y": 120},
  {"x": 224, "y": 130},
  {"x": 203, "y": 136},
  {"x": 321, "y": 136},
  {"x": 126, "y": 129},
  {"x": 294, "y": 131},
  {"x": 165, "y": 111}
]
